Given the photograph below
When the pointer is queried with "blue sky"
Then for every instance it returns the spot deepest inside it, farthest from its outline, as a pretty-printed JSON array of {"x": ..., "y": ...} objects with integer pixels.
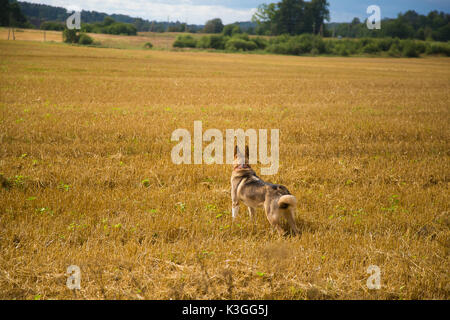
[{"x": 199, "y": 11}]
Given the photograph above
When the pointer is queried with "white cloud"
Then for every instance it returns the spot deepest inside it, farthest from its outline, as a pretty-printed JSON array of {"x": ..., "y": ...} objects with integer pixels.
[{"x": 181, "y": 10}]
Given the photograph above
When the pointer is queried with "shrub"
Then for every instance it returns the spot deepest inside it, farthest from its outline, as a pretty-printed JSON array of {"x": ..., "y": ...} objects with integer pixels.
[
  {"x": 278, "y": 48},
  {"x": 70, "y": 36},
  {"x": 440, "y": 48},
  {"x": 85, "y": 39},
  {"x": 236, "y": 44},
  {"x": 212, "y": 42},
  {"x": 341, "y": 50},
  {"x": 409, "y": 50},
  {"x": 299, "y": 45},
  {"x": 261, "y": 43},
  {"x": 217, "y": 42},
  {"x": 385, "y": 44},
  {"x": 185, "y": 41},
  {"x": 420, "y": 47},
  {"x": 371, "y": 48},
  {"x": 148, "y": 45},
  {"x": 315, "y": 52},
  {"x": 394, "y": 51},
  {"x": 203, "y": 42},
  {"x": 318, "y": 45},
  {"x": 329, "y": 46},
  {"x": 242, "y": 36},
  {"x": 120, "y": 28}
]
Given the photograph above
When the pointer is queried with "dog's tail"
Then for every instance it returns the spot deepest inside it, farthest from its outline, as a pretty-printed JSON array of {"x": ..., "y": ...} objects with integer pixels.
[
  {"x": 287, "y": 201},
  {"x": 289, "y": 204}
]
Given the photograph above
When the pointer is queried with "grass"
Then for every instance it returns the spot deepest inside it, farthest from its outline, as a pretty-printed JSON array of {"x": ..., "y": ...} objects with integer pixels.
[{"x": 87, "y": 178}]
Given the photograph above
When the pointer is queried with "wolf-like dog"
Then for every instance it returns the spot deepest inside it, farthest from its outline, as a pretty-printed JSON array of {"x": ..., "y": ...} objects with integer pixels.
[{"x": 247, "y": 187}]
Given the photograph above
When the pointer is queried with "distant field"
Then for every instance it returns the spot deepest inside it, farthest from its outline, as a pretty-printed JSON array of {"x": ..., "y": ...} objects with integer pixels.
[
  {"x": 88, "y": 179},
  {"x": 159, "y": 40}
]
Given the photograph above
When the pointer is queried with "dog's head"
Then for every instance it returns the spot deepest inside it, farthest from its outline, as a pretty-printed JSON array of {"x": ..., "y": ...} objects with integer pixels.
[{"x": 241, "y": 161}]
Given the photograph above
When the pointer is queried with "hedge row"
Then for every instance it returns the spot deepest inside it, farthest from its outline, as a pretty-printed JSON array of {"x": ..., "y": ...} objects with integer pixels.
[
  {"x": 308, "y": 44},
  {"x": 117, "y": 28},
  {"x": 238, "y": 42}
]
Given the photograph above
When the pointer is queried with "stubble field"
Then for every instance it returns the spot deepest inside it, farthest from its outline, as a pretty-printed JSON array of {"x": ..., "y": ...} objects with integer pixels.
[
  {"x": 160, "y": 40},
  {"x": 87, "y": 177}
]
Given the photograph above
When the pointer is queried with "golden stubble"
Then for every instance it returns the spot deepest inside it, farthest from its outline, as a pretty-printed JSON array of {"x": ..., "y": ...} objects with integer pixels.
[{"x": 85, "y": 148}]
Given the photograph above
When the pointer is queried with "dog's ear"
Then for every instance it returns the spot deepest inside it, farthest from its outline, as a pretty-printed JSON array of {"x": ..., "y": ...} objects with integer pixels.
[
  {"x": 236, "y": 149},
  {"x": 247, "y": 152}
]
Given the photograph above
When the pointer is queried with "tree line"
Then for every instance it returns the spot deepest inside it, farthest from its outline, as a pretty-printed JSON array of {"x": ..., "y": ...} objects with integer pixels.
[
  {"x": 409, "y": 25},
  {"x": 291, "y": 17}
]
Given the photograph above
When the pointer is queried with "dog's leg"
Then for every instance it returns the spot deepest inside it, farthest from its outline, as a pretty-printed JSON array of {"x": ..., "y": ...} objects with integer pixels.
[
  {"x": 235, "y": 210},
  {"x": 251, "y": 212},
  {"x": 290, "y": 217},
  {"x": 274, "y": 218},
  {"x": 276, "y": 223},
  {"x": 234, "y": 201}
]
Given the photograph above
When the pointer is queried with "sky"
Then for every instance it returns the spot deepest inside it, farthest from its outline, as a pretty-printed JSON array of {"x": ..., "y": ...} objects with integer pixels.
[{"x": 199, "y": 11}]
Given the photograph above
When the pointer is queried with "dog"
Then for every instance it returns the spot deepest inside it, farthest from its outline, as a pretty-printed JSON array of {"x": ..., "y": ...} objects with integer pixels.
[{"x": 247, "y": 187}]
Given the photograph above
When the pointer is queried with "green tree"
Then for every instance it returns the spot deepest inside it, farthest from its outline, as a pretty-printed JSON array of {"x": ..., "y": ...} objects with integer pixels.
[
  {"x": 264, "y": 17},
  {"x": 289, "y": 17},
  {"x": 213, "y": 26},
  {"x": 292, "y": 17},
  {"x": 4, "y": 12},
  {"x": 108, "y": 21},
  {"x": 11, "y": 14},
  {"x": 319, "y": 13}
]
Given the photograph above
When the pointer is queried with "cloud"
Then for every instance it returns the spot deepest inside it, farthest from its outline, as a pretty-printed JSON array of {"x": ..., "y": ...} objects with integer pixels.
[{"x": 181, "y": 10}]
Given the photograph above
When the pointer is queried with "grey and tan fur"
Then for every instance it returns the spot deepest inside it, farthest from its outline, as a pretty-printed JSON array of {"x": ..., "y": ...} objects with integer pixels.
[{"x": 247, "y": 187}]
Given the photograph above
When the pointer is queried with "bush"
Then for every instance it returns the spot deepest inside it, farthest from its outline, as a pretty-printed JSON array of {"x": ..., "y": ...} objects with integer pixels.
[
  {"x": 341, "y": 50},
  {"x": 261, "y": 43},
  {"x": 84, "y": 39},
  {"x": 440, "y": 48},
  {"x": 212, "y": 42},
  {"x": 409, "y": 50},
  {"x": 217, "y": 42},
  {"x": 236, "y": 44},
  {"x": 371, "y": 48},
  {"x": 70, "y": 36},
  {"x": 420, "y": 47},
  {"x": 242, "y": 36},
  {"x": 121, "y": 28},
  {"x": 298, "y": 45},
  {"x": 394, "y": 51},
  {"x": 148, "y": 45},
  {"x": 185, "y": 41},
  {"x": 278, "y": 48},
  {"x": 318, "y": 45},
  {"x": 203, "y": 42},
  {"x": 385, "y": 44}
]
